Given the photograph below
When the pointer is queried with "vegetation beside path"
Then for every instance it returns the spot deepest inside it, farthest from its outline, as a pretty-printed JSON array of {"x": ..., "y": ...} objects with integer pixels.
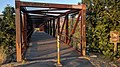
[
  {"x": 103, "y": 17},
  {"x": 7, "y": 34}
]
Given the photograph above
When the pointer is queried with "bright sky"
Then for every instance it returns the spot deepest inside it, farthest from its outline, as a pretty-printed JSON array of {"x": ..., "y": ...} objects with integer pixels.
[{"x": 3, "y": 3}]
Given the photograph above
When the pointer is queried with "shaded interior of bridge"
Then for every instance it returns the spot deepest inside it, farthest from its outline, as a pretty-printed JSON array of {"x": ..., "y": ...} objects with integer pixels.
[
  {"x": 44, "y": 47},
  {"x": 42, "y": 52},
  {"x": 54, "y": 20}
]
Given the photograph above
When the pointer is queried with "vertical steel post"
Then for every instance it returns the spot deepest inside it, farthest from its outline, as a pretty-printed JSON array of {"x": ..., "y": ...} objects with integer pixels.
[
  {"x": 54, "y": 28},
  {"x": 24, "y": 32},
  {"x": 83, "y": 23},
  {"x": 58, "y": 50},
  {"x": 115, "y": 47},
  {"x": 66, "y": 31},
  {"x": 58, "y": 44},
  {"x": 25, "y": 20},
  {"x": 81, "y": 37},
  {"x": 50, "y": 27},
  {"x": 58, "y": 22},
  {"x": 47, "y": 26},
  {"x": 18, "y": 32}
]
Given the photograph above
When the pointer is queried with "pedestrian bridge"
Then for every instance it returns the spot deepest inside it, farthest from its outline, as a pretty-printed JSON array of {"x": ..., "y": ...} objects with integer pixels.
[{"x": 58, "y": 41}]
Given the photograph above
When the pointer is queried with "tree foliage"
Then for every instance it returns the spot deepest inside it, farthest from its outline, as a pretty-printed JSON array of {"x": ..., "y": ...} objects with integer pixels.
[
  {"x": 104, "y": 16},
  {"x": 7, "y": 30}
]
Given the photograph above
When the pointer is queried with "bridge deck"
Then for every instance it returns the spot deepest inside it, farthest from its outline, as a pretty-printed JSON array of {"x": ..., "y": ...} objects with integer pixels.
[{"x": 43, "y": 53}]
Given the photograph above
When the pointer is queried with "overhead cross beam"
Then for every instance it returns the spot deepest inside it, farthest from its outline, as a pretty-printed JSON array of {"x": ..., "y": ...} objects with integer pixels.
[
  {"x": 41, "y": 12},
  {"x": 49, "y": 9},
  {"x": 43, "y": 15},
  {"x": 49, "y": 5},
  {"x": 47, "y": 17},
  {"x": 68, "y": 12}
]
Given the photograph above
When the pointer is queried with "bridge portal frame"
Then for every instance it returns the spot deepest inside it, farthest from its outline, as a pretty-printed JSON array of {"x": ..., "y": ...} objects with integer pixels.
[{"x": 24, "y": 26}]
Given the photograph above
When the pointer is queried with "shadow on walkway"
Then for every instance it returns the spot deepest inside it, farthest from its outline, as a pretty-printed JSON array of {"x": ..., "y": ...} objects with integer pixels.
[{"x": 42, "y": 53}]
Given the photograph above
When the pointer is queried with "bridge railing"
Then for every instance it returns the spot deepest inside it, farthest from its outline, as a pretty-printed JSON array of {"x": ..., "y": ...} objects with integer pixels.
[
  {"x": 25, "y": 43},
  {"x": 74, "y": 41}
]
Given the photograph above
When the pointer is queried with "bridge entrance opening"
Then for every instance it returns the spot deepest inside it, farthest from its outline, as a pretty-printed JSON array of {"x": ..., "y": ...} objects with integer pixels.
[{"x": 54, "y": 19}]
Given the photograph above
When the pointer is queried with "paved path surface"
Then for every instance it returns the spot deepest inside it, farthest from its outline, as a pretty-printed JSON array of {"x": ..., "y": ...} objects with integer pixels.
[{"x": 42, "y": 53}]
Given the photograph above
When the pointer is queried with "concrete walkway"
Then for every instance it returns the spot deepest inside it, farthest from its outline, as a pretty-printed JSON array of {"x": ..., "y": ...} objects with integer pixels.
[{"x": 43, "y": 53}]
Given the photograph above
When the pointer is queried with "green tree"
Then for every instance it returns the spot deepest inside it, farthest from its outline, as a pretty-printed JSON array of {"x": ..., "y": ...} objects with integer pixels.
[
  {"x": 103, "y": 17},
  {"x": 7, "y": 31}
]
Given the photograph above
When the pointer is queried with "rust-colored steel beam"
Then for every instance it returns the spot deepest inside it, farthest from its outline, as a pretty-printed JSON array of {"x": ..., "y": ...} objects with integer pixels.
[
  {"x": 80, "y": 44},
  {"x": 75, "y": 25},
  {"x": 63, "y": 25},
  {"x": 37, "y": 16},
  {"x": 54, "y": 28},
  {"x": 50, "y": 9},
  {"x": 25, "y": 20},
  {"x": 66, "y": 30},
  {"x": 50, "y": 27},
  {"x": 83, "y": 22},
  {"x": 18, "y": 32},
  {"x": 44, "y": 15},
  {"x": 68, "y": 12},
  {"x": 45, "y": 12},
  {"x": 45, "y": 27},
  {"x": 50, "y": 5},
  {"x": 24, "y": 32},
  {"x": 58, "y": 23}
]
